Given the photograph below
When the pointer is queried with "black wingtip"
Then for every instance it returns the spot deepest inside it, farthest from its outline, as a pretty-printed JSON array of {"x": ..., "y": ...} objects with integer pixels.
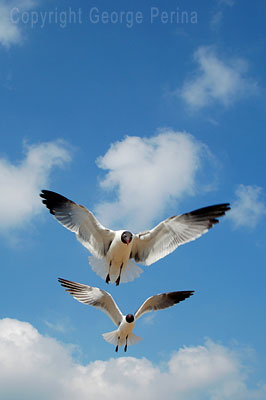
[
  {"x": 180, "y": 295},
  {"x": 64, "y": 281},
  {"x": 210, "y": 213},
  {"x": 53, "y": 200},
  {"x": 217, "y": 210},
  {"x": 187, "y": 293},
  {"x": 46, "y": 194},
  {"x": 61, "y": 281},
  {"x": 69, "y": 286}
]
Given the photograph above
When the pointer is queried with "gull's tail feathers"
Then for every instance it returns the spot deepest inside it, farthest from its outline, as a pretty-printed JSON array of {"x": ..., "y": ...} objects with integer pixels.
[
  {"x": 133, "y": 339},
  {"x": 112, "y": 337},
  {"x": 101, "y": 268},
  {"x": 130, "y": 272}
]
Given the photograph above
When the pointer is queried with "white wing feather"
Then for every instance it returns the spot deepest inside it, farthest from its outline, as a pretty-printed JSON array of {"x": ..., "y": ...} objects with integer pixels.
[
  {"x": 161, "y": 301},
  {"x": 78, "y": 219},
  {"x": 94, "y": 297},
  {"x": 162, "y": 240}
]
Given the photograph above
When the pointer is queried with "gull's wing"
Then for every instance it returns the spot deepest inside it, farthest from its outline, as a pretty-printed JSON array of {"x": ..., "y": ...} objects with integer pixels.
[
  {"x": 81, "y": 221},
  {"x": 161, "y": 301},
  {"x": 152, "y": 245},
  {"x": 94, "y": 297}
]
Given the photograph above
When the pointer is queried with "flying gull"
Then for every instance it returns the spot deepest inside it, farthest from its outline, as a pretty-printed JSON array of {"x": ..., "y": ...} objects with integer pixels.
[
  {"x": 123, "y": 335},
  {"x": 113, "y": 252}
]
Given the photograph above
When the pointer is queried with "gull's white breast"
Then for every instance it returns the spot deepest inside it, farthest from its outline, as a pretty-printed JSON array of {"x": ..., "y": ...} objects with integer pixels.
[
  {"x": 125, "y": 328},
  {"x": 119, "y": 252}
]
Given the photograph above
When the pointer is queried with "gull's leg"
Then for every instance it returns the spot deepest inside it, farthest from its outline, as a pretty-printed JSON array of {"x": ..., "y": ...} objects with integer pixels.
[
  {"x": 116, "y": 349},
  {"x": 118, "y": 279},
  {"x": 125, "y": 349},
  {"x": 107, "y": 280}
]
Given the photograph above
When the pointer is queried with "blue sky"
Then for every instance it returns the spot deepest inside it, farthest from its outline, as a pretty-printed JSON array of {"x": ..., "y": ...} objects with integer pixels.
[{"x": 139, "y": 111}]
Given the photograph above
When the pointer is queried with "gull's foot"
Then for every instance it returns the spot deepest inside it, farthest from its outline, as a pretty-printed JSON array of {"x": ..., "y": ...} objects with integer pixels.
[
  {"x": 117, "y": 281},
  {"x": 125, "y": 349},
  {"x": 116, "y": 349},
  {"x": 107, "y": 280}
]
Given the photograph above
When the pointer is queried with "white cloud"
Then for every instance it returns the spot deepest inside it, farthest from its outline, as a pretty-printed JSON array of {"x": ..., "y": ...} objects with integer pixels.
[
  {"x": 249, "y": 207},
  {"x": 21, "y": 183},
  {"x": 216, "y": 80},
  {"x": 148, "y": 174},
  {"x": 10, "y": 32},
  {"x": 217, "y": 17},
  {"x": 34, "y": 366},
  {"x": 149, "y": 319},
  {"x": 58, "y": 326},
  {"x": 216, "y": 20}
]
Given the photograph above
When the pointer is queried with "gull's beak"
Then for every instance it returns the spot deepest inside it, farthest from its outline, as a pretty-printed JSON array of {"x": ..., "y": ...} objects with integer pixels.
[{"x": 127, "y": 242}]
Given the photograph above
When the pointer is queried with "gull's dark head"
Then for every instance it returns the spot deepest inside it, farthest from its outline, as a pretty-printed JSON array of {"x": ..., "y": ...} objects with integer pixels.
[
  {"x": 130, "y": 318},
  {"x": 126, "y": 237}
]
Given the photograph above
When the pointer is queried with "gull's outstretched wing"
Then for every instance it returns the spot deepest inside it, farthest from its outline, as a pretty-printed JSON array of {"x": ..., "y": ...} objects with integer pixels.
[
  {"x": 94, "y": 297},
  {"x": 152, "y": 245},
  {"x": 78, "y": 219},
  {"x": 161, "y": 301}
]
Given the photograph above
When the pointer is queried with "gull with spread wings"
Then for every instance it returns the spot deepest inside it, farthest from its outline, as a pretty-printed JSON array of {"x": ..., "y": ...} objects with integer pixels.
[
  {"x": 123, "y": 335},
  {"x": 113, "y": 251}
]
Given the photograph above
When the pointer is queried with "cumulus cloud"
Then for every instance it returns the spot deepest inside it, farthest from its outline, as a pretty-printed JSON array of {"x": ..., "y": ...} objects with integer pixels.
[
  {"x": 216, "y": 80},
  {"x": 10, "y": 32},
  {"x": 147, "y": 174},
  {"x": 249, "y": 207},
  {"x": 34, "y": 366},
  {"x": 22, "y": 182}
]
